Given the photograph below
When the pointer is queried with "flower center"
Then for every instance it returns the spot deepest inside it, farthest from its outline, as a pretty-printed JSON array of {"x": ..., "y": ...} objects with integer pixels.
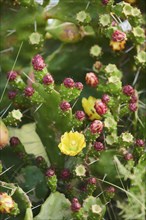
[{"x": 73, "y": 142}]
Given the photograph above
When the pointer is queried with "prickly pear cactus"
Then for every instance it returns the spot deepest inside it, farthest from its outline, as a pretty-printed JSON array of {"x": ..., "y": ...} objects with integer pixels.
[{"x": 72, "y": 125}]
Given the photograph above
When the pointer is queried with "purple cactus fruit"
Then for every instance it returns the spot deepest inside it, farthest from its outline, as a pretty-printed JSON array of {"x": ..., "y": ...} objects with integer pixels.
[
  {"x": 75, "y": 205},
  {"x": 14, "y": 141},
  {"x": 128, "y": 90},
  {"x": 128, "y": 156},
  {"x": 68, "y": 82},
  {"x": 98, "y": 146},
  {"x": 65, "y": 174},
  {"x": 92, "y": 181},
  {"x": 105, "y": 98},
  {"x": 50, "y": 172},
  {"x": 133, "y": 107},
  {"x": 96, "y": 127},
  {"x": 29, "y": 91},
  {"x": 11, "y": 76},
  {"x": 12, "y": 94},
  {"x": 38, "y": 62},
  {"x": 100, "y": 107},
  {"x": 79, "y": 86},
  {"x": 65, "y": 106},
  {"x": 80, "y": 115},
  {"x": 48, "y": 79},
  {"x": 140, "y": 143}
]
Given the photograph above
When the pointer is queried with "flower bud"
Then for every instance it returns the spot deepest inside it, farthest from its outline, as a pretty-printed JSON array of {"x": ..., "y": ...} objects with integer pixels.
[
  {"x": 79, "y": 86},
  {"x": 110, "y": 192},
  {"x": 12, "y": 94},
  {"x": 128, "y": 90},
  {"x": 105, "y": 98},
  {"x": 105, "y": 2},
  {"x": 29, "y": 91},
  {"x": 65, "y": 174},
  {"x": 96, "y": 126},
  {"x": 133, "y": 107},
  {"x": 133, "y": 98},
  {"x": 80, "y": 115},
  {"x": 39, "y": 159},
  {"x": 91, "y": 79},
  {"x": 48, "y": 79},
  {"x": 92, "y": 181},
  {"x": 38, "y": 62},
  {"x": 68, "y": 82},
  {"x": 140, "y": 143},
  {"x": 111, "y": 189},
  {"x": 100, "y": 107},
  {"x": 97, "y": 65},
  {"x": 98, "y": 146},
  {"x": 118, "y": 36},
  {"x": 65, "y": 106},
  {"x": 75, "y": 205},
  {"x": 14, "y": 141},
  {"x": 50, "y": 172},
  {"x": 11, "y": 76},
  {"x": 128, "y": 156}
]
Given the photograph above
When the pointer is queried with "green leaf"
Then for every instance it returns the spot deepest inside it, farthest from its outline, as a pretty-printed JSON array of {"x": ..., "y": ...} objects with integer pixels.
[
  {"x": 30, "y": 140},
  {"x": 55, "y": 207},
  {"x": 32, "y": 179}
]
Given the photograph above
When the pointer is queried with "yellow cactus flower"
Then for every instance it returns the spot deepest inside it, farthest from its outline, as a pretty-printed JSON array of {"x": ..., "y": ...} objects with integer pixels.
[
  {"x": 88, "y": 106},
  {"x": 72, "y": 143},
  {"x": 117, "y": 45}
]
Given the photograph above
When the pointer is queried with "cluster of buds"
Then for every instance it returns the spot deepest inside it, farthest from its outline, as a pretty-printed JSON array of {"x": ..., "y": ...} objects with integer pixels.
[
  {"x": 70, "y": 90},
  {"x": 129, "y": 91}
]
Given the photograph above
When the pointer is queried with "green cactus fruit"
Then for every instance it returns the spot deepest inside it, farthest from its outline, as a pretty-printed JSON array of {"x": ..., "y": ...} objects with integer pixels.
[
  {"x": 66, "y": 32},
  {"x": 4, "y": 135}
]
